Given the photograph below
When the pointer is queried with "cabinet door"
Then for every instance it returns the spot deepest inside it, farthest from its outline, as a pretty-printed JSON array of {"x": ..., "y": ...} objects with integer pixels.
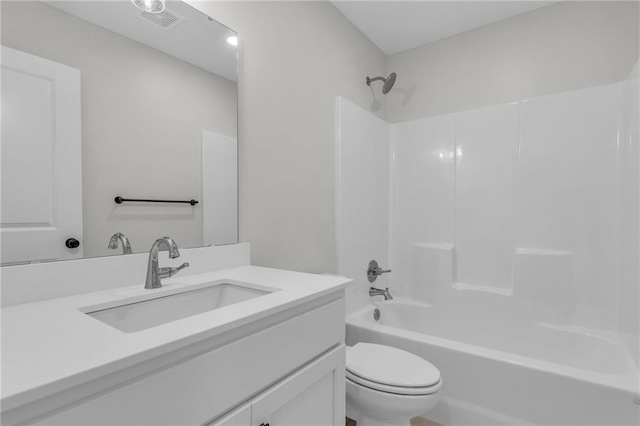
[
  {"x": 239, "y": 417},
  {"x": 314, "y": 395}
]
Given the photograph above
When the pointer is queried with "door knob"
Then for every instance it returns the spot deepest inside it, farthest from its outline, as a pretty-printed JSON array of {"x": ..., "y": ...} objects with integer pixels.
[{"x": 72, "y": 243}]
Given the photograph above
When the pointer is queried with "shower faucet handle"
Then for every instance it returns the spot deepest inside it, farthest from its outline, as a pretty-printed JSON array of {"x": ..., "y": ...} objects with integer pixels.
[{"x": 374, "y": 270}]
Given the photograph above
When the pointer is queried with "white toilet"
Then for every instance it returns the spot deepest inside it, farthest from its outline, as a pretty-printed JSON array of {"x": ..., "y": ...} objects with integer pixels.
[{"x": 387, "y": 386}]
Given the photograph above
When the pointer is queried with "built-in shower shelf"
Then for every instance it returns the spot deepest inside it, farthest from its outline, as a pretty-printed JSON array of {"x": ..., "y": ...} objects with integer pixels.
[{"x": 483, "y": 289}]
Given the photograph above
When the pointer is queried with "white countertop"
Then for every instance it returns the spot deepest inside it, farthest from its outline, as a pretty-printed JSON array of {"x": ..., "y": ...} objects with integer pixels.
[{"x": 51, "y": 346}]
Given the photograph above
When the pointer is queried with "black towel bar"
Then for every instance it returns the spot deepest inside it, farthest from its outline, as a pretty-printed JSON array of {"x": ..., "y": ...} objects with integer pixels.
[{"x": 120, "y": 200}]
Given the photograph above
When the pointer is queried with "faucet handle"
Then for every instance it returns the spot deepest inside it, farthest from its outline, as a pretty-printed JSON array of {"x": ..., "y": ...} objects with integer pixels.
[
  {"x": 170, "y": 271},
  {"x": 181, "y": 267},
  {"x": 373, "y": 271}
]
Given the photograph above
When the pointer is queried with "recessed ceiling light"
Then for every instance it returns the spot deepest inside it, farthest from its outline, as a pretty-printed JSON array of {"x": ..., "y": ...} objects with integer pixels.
[
  {"x": 151, "y": 6},
  {"x": 233, "y": 40}
]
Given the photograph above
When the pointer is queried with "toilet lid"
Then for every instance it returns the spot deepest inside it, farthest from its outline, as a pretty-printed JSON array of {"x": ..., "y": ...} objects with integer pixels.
[{"x": 390, "y": 366}]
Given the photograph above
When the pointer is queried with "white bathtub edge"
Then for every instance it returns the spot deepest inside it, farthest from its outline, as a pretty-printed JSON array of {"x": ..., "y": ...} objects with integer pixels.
[{"x": 617, "y": 382}]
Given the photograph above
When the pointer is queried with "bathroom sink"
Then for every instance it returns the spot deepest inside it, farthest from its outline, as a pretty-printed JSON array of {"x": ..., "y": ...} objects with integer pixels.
[{"x": 133, "y": 315}]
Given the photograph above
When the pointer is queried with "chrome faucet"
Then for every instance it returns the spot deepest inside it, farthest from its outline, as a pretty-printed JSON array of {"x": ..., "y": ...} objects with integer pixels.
[
  {"x": 113, "y": 242},
  {"x": 379, "y": 292},
  {"x": 154, "y": 272}
]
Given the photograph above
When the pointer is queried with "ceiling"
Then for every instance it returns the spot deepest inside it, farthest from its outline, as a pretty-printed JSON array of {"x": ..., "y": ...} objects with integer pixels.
[
  {"x": 395, "y": 26},
  {"x": 193, "y": 37}
]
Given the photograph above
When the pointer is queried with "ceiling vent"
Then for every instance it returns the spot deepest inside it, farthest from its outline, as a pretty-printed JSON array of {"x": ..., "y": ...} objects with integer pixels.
[{"x": 166, "y": 20}]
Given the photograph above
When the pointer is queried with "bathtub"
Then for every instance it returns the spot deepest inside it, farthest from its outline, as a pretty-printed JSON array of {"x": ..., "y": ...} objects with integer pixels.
[{"x": 508, "y": 374}]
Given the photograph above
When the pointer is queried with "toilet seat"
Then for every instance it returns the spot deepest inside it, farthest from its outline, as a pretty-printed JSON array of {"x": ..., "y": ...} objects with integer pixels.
[
  {"x": 391, "y": 370},
  {"x": 397, "y": 390}
]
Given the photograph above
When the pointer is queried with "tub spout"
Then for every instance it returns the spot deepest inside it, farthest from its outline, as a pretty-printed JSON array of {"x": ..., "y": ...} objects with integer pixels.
[{"x": 380, "y": 292}]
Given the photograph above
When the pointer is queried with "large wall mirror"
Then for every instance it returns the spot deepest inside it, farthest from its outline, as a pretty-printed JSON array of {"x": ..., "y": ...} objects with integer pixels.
[{"x": 103, "y": 100}]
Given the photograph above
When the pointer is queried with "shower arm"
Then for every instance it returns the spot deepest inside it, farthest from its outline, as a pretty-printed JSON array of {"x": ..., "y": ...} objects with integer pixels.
[{"x": 369, "y": 80}]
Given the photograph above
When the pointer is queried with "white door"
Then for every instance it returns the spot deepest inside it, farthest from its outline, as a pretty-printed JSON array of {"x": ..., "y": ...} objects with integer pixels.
[{"x": 40, "y": 150}]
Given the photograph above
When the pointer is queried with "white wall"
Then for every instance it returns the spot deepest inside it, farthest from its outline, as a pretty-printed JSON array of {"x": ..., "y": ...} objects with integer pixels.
[
  {"x": 562, "y": 47},
  {"x": 125, "y": 151},
  {"x": 295, "y": 58}
]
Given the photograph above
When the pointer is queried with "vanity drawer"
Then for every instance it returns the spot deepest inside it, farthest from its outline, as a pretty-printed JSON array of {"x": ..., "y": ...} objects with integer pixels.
[{"x": 199, "y": 389}]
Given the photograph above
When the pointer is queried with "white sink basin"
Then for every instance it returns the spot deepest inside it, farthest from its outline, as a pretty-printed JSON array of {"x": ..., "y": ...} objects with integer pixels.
[{"x": 133, "y": 315}]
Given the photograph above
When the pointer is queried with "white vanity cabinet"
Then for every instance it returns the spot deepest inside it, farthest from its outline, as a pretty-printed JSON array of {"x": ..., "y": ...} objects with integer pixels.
[{"x": 286, "y": 370}]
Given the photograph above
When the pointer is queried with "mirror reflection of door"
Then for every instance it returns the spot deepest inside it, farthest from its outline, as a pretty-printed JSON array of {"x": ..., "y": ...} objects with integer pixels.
[
  {"x": 219, "y": 189},
  {"x": 41, "y": 159},
  {"x": 150, "y": 86}
]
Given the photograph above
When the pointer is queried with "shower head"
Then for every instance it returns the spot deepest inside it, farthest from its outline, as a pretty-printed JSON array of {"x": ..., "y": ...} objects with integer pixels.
[{"x": 388, "y": 82}]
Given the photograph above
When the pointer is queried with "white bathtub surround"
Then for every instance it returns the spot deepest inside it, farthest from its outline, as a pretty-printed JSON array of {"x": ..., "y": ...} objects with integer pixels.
[
  {"x": 54, "y": 354},
  {"x": 629, "y": 205},
  {"x": 362, "y": 197},
  {"x": 563, "y": 263},
  {"x": 525, "y": 199},
  {"x": 529, "y": 178},
  {"x": 551, "y": 293},
  {"x": 485, "y": 181},
  {"x": 524, "y": 215},
  {"x": 505, "y": 374},
  {"x": 423, "y": 176}
]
